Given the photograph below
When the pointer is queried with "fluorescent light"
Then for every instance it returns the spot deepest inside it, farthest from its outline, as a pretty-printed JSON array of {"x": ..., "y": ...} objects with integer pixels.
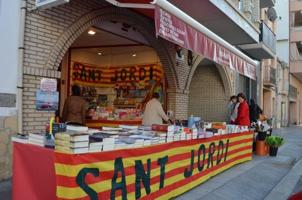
[
  {"x": 91, "y": 32},
  {"x": 99, "y": 53},
  {"x": 134, "y": 55}
]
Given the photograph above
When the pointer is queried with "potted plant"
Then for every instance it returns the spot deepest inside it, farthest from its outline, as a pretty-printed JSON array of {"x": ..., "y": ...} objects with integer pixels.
[{"x": 274, "y": 142}]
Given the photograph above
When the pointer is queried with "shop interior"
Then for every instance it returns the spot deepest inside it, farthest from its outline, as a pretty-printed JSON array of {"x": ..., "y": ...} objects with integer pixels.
[{"x": 117, "y": 71}]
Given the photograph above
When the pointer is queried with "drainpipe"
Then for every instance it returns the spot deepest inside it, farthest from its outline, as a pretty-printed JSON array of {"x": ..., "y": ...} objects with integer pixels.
[{"x": 20, "y": 66}]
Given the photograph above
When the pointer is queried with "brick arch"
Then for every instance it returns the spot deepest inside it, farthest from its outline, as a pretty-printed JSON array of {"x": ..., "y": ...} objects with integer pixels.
[
  {"x": 143, "y": 25},
  {"x": 223, "y": 72}
]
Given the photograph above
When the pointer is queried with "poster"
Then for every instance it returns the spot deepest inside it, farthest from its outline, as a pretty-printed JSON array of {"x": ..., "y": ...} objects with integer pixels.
[
  {"x": 48, "y": 84},
  {"x": 47, "y": 101}
]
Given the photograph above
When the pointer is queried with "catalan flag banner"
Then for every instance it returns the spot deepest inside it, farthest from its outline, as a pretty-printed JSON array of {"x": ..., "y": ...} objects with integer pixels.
[
  {"x": 155, "y": 172},
  {"x": 108, "y": 76}
]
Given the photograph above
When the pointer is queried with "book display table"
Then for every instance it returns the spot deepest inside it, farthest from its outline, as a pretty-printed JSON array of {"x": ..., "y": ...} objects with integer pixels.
[{"x": 153, "y": 172}]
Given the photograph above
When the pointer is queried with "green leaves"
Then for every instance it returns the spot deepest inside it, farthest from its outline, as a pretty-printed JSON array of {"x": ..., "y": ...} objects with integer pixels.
[{"x": 274, "y": 141}]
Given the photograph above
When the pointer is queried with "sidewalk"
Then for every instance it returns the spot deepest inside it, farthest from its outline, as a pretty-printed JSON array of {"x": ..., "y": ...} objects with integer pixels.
[{"x": 262, "y": 178}]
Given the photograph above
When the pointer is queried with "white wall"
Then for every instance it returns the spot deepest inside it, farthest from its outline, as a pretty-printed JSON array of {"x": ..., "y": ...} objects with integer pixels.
[
  {"x": 282, "y": 33},
  {"x": 9, "y": 32}
]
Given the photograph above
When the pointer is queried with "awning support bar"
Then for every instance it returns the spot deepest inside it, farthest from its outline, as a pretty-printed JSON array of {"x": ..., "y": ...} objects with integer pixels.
[{"x": 131, "y": 5}]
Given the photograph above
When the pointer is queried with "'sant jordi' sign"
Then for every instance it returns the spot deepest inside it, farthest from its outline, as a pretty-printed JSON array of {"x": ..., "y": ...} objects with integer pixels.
[
  {"x": 155, "y": 172},
  {"x": 107, "y": 76}
]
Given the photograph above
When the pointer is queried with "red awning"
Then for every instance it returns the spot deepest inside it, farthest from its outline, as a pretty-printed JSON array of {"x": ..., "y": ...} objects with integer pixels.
[{"x": 178, "y": 27}]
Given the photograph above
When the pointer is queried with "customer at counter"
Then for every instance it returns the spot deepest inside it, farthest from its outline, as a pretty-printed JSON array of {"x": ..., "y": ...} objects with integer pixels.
[
  {"x": 154, "y": 113},
  {"x": 243, "y": 115},
  {"x": 74, "y": 110}
]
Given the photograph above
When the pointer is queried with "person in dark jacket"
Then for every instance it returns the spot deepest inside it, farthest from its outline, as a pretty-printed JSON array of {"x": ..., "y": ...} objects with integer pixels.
[
  {"x": 74, "y": 110},
  {"x": 243, "y": 115},
  {"x": 255, "y": 111}
]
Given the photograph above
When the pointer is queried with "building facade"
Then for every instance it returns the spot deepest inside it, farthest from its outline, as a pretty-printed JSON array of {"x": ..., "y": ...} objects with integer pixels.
[
  {"x": 196, "y": 85},
  {"x": 295, "y": 61}
]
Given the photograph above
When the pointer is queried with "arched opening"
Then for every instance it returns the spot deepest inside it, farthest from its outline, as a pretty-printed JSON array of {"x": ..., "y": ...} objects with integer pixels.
[
  {"x": 142, "y": 25},
  {"x": 209, "y": 92},
  {"x": 123, "y": 48}
]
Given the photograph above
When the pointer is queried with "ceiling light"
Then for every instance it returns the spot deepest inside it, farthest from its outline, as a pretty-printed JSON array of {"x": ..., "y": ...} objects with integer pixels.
[
  {"x": 134, "y": 55},
  {"x": 91, "y": 32},
  {"x": 99, "y": 53}
]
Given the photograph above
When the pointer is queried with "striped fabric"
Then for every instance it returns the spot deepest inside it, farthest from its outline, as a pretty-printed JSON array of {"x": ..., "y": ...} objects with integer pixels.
[
  {"x": 105, "y": 76},
  {"x": 155, "y": 172}
]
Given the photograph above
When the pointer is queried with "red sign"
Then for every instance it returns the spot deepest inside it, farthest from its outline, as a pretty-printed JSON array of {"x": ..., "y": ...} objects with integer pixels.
[{"x": 175, "y": 30}]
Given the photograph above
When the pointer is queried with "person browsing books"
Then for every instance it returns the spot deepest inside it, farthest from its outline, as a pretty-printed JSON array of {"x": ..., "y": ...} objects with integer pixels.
[
  {"x": 74, "y": 110},
  {"x": 154, "y": 113}
]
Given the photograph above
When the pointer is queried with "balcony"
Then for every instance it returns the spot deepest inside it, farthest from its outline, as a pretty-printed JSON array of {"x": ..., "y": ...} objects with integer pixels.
[
  {"x": 293, "y": 92},
  {"x": 284, "y": 87},
  {"x": 266, "y": 48},
  {"x": 219, "y": 16},
  {"x": 296, "y": 34},
  {"x": 269, "y": 78},
  {"x": 267, "y": 3},
  {"x": 295, "y": 5},
  {"x": 296, "y": 68}
]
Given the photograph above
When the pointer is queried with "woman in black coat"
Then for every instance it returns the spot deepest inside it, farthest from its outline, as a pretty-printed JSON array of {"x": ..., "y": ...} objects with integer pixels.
[{"x": 255, "y": 111}]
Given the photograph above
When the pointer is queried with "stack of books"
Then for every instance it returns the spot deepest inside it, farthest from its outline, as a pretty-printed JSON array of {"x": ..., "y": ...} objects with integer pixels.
[
  {"x": 95, "y": 147},
  {"x": 20, "y": 138},
  {"x": 72, "y": 142},
  {"x": 37, "y": 139}
]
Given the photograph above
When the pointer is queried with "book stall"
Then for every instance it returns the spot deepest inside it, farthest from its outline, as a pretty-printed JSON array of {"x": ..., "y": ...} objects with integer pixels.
[
  {"x": 125, "y": 162},
  {"x": 116, "y": 95}
]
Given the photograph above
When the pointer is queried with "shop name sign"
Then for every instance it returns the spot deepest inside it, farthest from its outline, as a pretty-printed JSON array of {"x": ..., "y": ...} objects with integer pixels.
[
  {"x": 177, "y": 31},
  {"x": 157, "y": 172},
  {"x": 83, "y": 74},
  {"x": 43, "y": 4}
]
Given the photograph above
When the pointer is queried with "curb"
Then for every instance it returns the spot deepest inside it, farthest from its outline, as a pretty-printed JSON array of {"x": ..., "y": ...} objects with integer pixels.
[{"x": 287, "y": 184}]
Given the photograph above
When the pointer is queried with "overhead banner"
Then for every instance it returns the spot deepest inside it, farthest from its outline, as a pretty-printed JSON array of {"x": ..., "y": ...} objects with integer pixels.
[
  {"x": 108, "y": 76},
  {"x": 175, "y": 30},
  {"x": 156, "y": 172}
]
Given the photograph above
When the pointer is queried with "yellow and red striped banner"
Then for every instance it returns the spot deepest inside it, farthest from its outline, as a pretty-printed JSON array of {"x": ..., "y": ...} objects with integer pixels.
[
  {"x": 106, "y": 76},
  {"x": 155, "y": 172}
]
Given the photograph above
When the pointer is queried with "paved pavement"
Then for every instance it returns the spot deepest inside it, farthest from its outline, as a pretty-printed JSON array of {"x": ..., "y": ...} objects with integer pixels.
[
  {"x": 262, "y": 178},
  {"x": 266, "y": 178}
]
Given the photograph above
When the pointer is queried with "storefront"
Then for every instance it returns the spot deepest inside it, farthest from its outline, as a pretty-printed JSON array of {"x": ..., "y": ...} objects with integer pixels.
[
  {"x": 118, "y": 67},
  {"x": 117, "y": 75}
]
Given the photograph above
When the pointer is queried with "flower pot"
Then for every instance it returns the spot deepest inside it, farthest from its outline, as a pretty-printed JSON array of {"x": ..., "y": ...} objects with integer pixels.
[
  {"x": 261, "y": 136},
  {"x": 261, "y": 148},
  {"x": 273, "y": 151}
]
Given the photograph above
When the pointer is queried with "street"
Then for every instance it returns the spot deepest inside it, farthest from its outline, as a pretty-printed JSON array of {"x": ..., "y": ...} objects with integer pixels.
[{"x": 262, "y": 178}]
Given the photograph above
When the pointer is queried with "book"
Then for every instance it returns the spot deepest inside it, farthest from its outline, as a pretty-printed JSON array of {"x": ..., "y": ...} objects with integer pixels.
[
  {"x": 70, "y": 144},
  {"x": 20, "y": 139},
  {"x": 72, "y": 150},
  {"x": 77, "y": 128},
  {"x": 39, "y": 136},
  {"x": 36, "y": 142},
  {"x": 128, "y": 127},
  {"x": 104, "y": 128},
  {"x": 72, "y": 136}
]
